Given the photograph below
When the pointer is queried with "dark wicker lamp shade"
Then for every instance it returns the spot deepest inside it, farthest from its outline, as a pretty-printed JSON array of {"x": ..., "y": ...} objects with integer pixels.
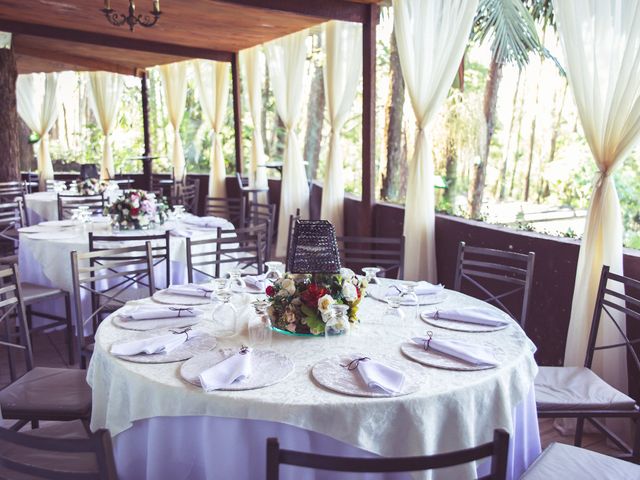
[{"x": 313, "y": 248}]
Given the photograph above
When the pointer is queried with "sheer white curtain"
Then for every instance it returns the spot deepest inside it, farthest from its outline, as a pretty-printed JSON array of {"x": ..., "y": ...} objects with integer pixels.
[
  {"x": 342, "y": 69},
  {"x": 431, "y": 40},
  {"x": 601, "y": 41},
  {"x": 286, "y": 58},
  {"x": 212, "y": 79},
  {"x": 37, "y": 100},
  {"x": 253, "y": 66},
  {"x": 105, "y": 90},
  {"x": 174, "y": 79}
]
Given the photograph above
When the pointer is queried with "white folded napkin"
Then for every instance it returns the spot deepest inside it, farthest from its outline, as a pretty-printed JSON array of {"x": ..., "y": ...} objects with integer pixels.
[
  {"x": 190, "y": 289},
  {"x": 426, "y": 288},
  {"x": 379, "y": 376},
  {"x": 256, "y": 282},
  {"x": 229, "y": 370},
  {"x": 464, "y": 351},
  {"x": 204, "y": 222},
  {"x": 154, "y": 312},
  {"x": 164, "y": 343},
  {"x": 179, "y": 232},
  {"x": 477, "y": 315}
]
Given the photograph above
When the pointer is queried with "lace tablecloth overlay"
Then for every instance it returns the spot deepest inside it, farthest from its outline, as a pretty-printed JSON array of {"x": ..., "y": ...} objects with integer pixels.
[{"x": 452, "y": 409}]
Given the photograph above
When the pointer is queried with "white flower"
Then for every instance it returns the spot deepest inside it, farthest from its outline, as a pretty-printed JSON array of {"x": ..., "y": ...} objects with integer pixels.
[
  {"x": 289, "y": 285},
  {"x": 349, "y": 292},
  {"x": 347, "y": 273},
  {"x": 324, "y": 304}
]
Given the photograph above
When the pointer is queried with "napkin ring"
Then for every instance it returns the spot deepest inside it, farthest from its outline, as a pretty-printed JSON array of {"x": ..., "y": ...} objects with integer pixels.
[
  {"x": 205, "y": 292},
  {"x": 180, "y": 332},
  {"x": 353, "y": 364},
  {"x": 428, "y": 341},
  {"x": 436, "y": 315},
  {"x": 244, "y": 350},
  {"x": 181, "y": 309}
]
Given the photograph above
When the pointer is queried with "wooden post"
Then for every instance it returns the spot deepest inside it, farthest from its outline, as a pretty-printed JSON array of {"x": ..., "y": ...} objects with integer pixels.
[
  {"x": 237, "y": 110},
  {"x": 368, "y": 118},
  {"x": 147, "y": 167},
  {"x": 9, "y": 144}
]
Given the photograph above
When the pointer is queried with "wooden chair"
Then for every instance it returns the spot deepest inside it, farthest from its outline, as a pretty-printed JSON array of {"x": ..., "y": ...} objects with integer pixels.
[
  {"x": 42, "y": 393},
  {"x": 110, "y": 278},
  {"x": 385, "y": 253},
  {"x": 233, "y": 209},
  {"x": 241, "y": 247},
  {"x": 57, "y": 452},
  {"x": 498, "y": 451},
  {"x": 491, "y": 274},
  {"x": 264, "y": 213},
  {"x": 577, "y": 392},
  {"x": 68, "y": 203},
  {"x": 160, "y": 248}
]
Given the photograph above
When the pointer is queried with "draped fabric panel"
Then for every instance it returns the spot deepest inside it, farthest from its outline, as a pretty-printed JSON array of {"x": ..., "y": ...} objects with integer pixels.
[
  {"x": 174, "y": 79},
  {"x": 212, "y": 79},
  {"x": 253, "y": 66},
  {"x": 431, "y": 39},
  {"x": 342, "y": 70},
  {"x": 601, "y": 43},
  {"x": 37, "y": 102},
  {"x": 105, "y": 90},
  {"x": 286, "y": 60}
]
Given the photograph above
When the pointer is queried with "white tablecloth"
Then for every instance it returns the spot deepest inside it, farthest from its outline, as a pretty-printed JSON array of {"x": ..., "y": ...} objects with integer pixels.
[
  {"x": 41, "y": 206},
  {"x": 226, "y": 430}
]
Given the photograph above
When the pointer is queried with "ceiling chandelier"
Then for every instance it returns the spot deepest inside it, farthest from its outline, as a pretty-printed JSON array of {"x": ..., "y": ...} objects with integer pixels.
[{"x": 119, "y": 19}]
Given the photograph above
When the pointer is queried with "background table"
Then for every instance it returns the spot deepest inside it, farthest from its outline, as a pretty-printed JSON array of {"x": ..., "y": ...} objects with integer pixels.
[
  {"x": 41, "y": 206},
  {"x": 167, "y": 428}
]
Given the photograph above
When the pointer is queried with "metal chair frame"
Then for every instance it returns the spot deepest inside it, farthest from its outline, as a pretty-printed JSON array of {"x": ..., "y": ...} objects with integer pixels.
[
  {"x": 187, "y": 193},
  {"x": 497, "y": 450},
  {"x": 243, "y": 246},
  {"x": 107, "y": 265},
  {"x": 387, "y": 253},
  {"x": 10, "y": 192},
  {"x": 608, "y": 301},
  {"x": 66, "y": 203},
  {"x": 12, "y": 217},
  {"x": 233, "y": 209},
  {"x": 483, "y": 264},
  {"x": 264, "y": 213}
]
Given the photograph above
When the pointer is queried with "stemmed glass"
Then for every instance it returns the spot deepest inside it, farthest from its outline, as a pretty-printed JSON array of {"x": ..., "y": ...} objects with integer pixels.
[
  {"x": 224, "y": 315},
  {"x": 236, "y": 281},
  {"x": 338, "y": 322},
  {"x": 275, "y": 271},
  {"x": 393, "y": 311},
  {"x": 370, "y": 275},
  {"x": 260, "y": 332},
  {"x": 410, "y": 298}
]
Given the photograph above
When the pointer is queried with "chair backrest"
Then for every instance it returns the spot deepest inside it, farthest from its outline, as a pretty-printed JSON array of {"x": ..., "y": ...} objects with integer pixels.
[
  {"x": 68, "y": 203},
  {"x": 386, "y": 253},
  {"x": 96, "y": 451},
  {"x": 618, "y": 301},
  {"x": 12, "y": 308},
  {"x": 107, "y": 275},
  {"x": 263, "y": 213},
  {"x": 12, "y": 217},
  {"x": 11, "y": 192},
  {"x": 292, "y": 222},
  {"x": 233, "y": 209},
  {"x": 160, "y": 248},
  {"x": 242, "y": 182},
  {"x": 241, "y": 248},
  {"x": 497, "y": 277},
  {"x": 187, "y": 194},
  {"x": 498, "y": 450}
]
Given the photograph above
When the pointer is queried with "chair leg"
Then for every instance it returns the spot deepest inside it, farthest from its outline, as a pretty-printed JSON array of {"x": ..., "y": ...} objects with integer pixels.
[
  {"x": 69, "y": 330},
  {"x": 635, "y": 455},
  {"x": 35, "y": 424},
  {"x": 579, "y": 429}
]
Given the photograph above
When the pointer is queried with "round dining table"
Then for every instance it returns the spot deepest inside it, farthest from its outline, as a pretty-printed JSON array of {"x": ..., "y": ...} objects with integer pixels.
[{"x": 164, "y": 427}]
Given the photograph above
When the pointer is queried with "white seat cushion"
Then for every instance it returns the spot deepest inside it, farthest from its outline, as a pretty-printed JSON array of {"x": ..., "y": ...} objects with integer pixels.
[
  {"x": 577, "y": 388},
  {"x": 560, "y": 461}
]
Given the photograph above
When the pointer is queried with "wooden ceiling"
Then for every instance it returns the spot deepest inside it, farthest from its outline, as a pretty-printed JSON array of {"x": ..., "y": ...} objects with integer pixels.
[{"x": 52, "y": 35}]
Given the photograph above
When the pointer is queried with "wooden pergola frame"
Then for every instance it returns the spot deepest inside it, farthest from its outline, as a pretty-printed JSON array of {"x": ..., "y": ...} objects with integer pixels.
[{"x": 365, "y": 12}]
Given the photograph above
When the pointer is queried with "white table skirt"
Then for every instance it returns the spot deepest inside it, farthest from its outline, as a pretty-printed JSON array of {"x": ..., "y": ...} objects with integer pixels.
[
  {"x": 41, "y": 206},
  {"x": 199, "y": 448}
]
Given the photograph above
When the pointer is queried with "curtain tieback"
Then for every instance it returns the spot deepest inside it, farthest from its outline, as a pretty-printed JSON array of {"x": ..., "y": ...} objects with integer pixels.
[{"x": 602, "y": 176}]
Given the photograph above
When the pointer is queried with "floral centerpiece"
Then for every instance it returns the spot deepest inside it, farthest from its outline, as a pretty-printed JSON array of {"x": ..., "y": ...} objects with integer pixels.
[
  {"x": 137, "y": 209},
  {"x": 92, "y": 186},
  {"x": 301, "y": 303}
]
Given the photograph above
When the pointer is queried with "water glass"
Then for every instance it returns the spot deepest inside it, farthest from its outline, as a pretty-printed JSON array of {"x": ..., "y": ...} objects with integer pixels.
[
  {"x": 225, "y": 316},
  {"x": 393, "y": 311},
  {"x": 235, "y": 279},
  {"x": 410, "y": 298},
  {"x": 275, "y": 271},
  {"x": 260, "y": 333}
]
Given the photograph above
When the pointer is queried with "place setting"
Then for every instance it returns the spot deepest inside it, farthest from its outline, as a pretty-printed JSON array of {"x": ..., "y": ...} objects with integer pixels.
[
  {"x": 236, "y": 369},
  {"x": 188, "y": 294},
  {"x": 407, "y": 293},
  {"x": 145, "y": 317},
  {"x": 468, "y": 319}
]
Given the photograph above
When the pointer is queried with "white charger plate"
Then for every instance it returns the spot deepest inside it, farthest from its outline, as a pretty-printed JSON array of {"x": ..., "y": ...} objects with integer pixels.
[
  {"x": 195, "y": 346},
  {"x": 460, "y": 326},
  {"x": 332, "y": 375},
  {"x": 433, "y": 358},
  {"x": 269, "y": 368},
  {"x": 147, "y": 325},
  {"x": 166, "y": 297},
  {"x": 379, "y": 292}
]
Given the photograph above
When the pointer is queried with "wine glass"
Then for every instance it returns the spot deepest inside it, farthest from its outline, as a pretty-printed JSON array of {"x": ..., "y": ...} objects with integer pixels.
[
  {"x": 370, "y": 275},
  {"x": 393, "y": 311},
  {"x": 236, "y": 281},
  {"x": 260, "y": 332},
  {"x": 225, "y": 314},
  {"x": 275, "y": 270},
  {"x": 338, "y": 322},
  {"x": 410, "y": 298}
]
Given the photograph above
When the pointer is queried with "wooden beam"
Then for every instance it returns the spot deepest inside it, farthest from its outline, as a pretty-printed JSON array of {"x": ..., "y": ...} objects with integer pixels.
[
  {"x": 326, "y": 9},
  {"x": 237, "y": 110},
  {"x": 70, "y": 59},
  {"x": 368, "y": 117},
  {"x": 114, "y": 41},
  {"x": 147, "y": 168}
]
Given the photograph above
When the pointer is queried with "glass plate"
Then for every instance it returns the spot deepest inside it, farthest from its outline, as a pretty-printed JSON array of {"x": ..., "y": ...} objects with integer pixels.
[{"x": 293, "y": 334}]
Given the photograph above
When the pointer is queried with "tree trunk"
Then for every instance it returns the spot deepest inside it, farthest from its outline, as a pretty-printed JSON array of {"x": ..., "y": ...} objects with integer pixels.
[
  {"x": 543, "y": 186},
  {"x": 27, "y": 158},
  {"x": 396, "y": 161},
  {"x": 451, "y": 170},
  {"x": 315, "y": 116},
  {"x": 516, "y": 156},
  {"x": 502, "y": 180},
  {"x": 480, "y": 170},
  {"x": 263, "y": 113},
  {"x": 9, "y": 141}
]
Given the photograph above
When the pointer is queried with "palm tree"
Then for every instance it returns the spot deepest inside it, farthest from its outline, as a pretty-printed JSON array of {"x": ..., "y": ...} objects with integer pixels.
[{"x": 510, "y": 26}]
